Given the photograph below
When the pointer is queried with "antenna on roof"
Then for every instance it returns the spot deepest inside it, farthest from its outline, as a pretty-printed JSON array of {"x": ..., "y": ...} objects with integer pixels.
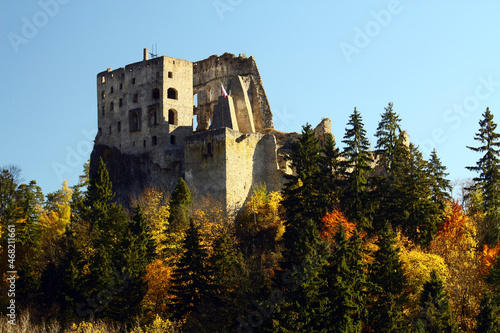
[{"x": 154, "y": 49}]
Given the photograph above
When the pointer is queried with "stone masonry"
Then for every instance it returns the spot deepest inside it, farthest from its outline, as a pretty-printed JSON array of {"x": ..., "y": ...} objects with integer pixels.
[{"x": 146, "y": 113}]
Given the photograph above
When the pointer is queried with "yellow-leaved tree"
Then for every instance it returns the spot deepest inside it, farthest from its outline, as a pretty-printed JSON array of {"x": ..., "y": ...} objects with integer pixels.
[
  {"x": 54, "y": 219},
  {"x": 159, "y": 278},
  {"x": 456, "y": 242},
  {"x": 155, "y": 208}
]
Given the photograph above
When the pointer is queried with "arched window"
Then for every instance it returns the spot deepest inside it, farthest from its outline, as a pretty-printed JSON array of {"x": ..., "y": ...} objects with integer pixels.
[
  {"x": 156, "y": 93},
  {"x": 135, "y": 120},
  {"x": 172, "y": 93},
  {"x": 153, "y": 117},
  {"x": 172, "y": 117}
]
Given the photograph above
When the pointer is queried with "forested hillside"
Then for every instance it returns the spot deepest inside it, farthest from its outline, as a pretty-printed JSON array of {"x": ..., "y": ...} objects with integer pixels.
[{"x": 362, "y": 238}]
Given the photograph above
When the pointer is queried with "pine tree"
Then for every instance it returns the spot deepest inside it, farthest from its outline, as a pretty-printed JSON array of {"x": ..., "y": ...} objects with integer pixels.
[
  {"x": 355, "y": 168},
  {"x": 330, "y": 168},
  {"x": 388, "y": 133},
  {"x": 488, "y": 167},
  {"x": 387, "y": 285},
  {"x": 346, "y": 286},
  {"x": 190, "y": 277},
  {"x": 440, "y": 185},
  {"x": 179, "y": 206},
  {"x": 436, "y": 312},
  {"x": 488, "y": 318}
]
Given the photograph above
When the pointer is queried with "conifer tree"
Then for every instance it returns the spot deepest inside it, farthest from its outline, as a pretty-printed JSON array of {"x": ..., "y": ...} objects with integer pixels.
[
  {"x": 387, "y": 285},
  {"x": 330, "y": 168},
  {"x": 346, "y": 286},
  {"x": 355, "y": 168},
  {"x": 388, "y": 135},
  {"x": 179, "y": 206},
  {"x": 488, "y": 167},
  {"x": 488, "y": 318},
  {"x": 436, "y": 313},
  {"x": 190, "y": 277},
  {"x": 440, "y": 185}
]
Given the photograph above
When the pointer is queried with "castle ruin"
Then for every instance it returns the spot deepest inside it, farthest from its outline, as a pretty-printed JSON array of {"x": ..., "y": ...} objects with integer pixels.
[{"x": 164, "y": 118}]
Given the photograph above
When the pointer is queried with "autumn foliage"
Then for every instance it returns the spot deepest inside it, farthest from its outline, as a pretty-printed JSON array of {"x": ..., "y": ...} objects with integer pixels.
[
  {"x": 331, "y": 223},
  {"x": 489, "y": 257}
]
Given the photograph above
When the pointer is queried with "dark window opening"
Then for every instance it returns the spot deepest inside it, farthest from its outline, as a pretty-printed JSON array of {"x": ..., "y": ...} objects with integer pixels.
[
  {"x": 136, "y": 98},
  {"x": 121, "y": 86},
  {"x": 133, "y": 144},
  {"x": 112, "y": 106},
  {"x": 100, "y": 131},
  {"x": 172, "y": 93},
  {"x": 170, "y": 75},
  {"x": 156, "y": 93},
  {"x": 109, "y": 129},
  {"x": 120, "y": 102},
  {"x": 209, "y": 149},
  {"x": 135, "y": 120},
  {"x": 172, "y": 139},
  {"x": 119, "y": 126},
  {"x": 133, "y": 80},
  {"x": 112, "y": 90},
  {"x": 153, "y": 117},
  {"x": 154, "y": 140},
  {"x": 103, "y": 110},
  {"x": 172, "y": 117},
  {"x": 144, "y": 143}
]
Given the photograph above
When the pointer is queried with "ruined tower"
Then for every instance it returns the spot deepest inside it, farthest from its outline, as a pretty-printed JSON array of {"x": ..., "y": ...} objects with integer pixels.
[{"x": 146, "y": 113}]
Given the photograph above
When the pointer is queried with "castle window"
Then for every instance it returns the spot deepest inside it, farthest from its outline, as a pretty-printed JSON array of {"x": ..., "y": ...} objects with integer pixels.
[
  {"x": 209, "y": 149},
  {"x": 172, "y": 93},
  {"x": 170, "y": 75},
  {"x": 156, "y": 93},
  {"x": 172, "y": 117},
  {"x": 109, "y": 129},
  {"x": 209, "y": 93},
  {"x": 154, "y": 140},
  {"x": 135, "y": 120},
  {"x": 100, "y": 131},
  {"x": 144, "y": 143},
  {"x": 120, "y": 102},
  {"x": 103, "y": 110},
  {"x": 112, "y": 106},
  {"x": 121, "y": 86},
  {"x": 103, "y": 79},
  {"x": 136, "y": 98},
  {"x": 103, "y": 94},
  {"x": 133, "y": 80},
  {"x": 112, "y": 90},
  {"x": 153, "y": 117},
  {"x": 119, "y": 126},
  {"x": 172, "y": 139}
]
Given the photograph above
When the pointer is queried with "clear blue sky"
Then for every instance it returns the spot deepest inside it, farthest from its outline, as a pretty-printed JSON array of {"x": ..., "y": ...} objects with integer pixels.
[{"x": 438, "y": 62}]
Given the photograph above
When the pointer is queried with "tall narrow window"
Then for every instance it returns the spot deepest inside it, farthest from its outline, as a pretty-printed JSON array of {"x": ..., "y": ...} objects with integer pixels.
[
  {"x": 103, "y": 110},
  {"x": 119, "y": 126},
  {"x": 112, "y": 90},
  {"x": 112, "y": 106},
  {"x": 156, "y": 93},
  {"x": 120, "y": 102},
  {"x": 170, "y": 75},
  {"x": 153, "y": 117},
  {"x": 121, "y": 86},
  {"x": 172, "y": 117},
  {"x": 209, "y": 149},
  {"x": 133, "y": 80},
  {"x": 103, "y": 95},
  {"x": 135, "y": 120},
  {"x": 172, "y": 139},
  {"x": 154, "y": 140},
  {"x": 103, "y": 79},
  {"x": 172, "y": 93},
  {"x": 136, "y": 98}
]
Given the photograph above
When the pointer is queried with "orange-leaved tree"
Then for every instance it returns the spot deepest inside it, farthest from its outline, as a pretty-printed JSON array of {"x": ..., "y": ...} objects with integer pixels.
[{"x": 330, "y": 225}]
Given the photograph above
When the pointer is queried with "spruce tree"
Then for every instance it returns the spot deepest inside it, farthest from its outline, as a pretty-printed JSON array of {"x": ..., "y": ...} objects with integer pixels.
[
  {"x": 190, "y": 277},
  {"x": 330, "y": 168},
  {"x": 346, "y": 285},
  {"x": 440, "y": 185},
  {"x": 488, "y": 167},
  {"x": 355, "y": 167},
  {"x": 488, "y": 317},
  {"x": 388, "y": 134},
  {"x": 436, "y": 312},
  {"x": 387, "y": 285},
  {"x": 179, "y": 206}
]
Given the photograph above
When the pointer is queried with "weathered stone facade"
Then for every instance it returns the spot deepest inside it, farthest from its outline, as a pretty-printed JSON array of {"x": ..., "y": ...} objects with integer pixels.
[{"x": 146, "y": 113}]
